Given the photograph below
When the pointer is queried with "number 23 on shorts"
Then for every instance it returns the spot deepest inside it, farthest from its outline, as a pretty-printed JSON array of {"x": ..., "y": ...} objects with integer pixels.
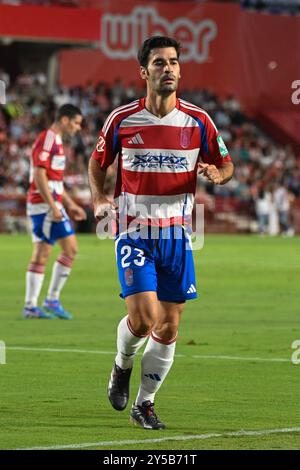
[{"x": 131, "y": 255}]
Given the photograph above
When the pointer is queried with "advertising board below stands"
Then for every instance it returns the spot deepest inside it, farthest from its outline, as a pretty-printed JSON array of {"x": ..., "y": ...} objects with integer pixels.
[{"x": 224, "y": 48}]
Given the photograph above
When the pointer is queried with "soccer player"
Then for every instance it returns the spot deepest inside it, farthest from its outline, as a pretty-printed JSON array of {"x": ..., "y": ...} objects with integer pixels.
[
  {"x": 161, "y": 143},
  {"x": 47, "y": 202}
]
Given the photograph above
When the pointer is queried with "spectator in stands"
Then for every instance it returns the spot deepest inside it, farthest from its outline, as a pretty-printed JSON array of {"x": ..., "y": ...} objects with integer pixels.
[
  {"x": 263, "y": 207},
  {"x": 30, "y": 108},
  {"x": 282, "y": 199}
]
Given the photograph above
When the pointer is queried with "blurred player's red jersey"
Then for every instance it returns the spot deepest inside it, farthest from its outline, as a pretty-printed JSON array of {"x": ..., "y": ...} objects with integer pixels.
[{"x": 47, "y": 152}]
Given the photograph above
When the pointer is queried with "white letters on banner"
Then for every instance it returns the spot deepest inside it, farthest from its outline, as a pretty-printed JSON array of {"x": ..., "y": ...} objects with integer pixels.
[{"x": 122, "y": 35}]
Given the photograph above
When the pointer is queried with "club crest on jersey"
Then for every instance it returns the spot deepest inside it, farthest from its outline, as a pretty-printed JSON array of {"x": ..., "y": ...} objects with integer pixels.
[
  {"x": 129, "y": 277},
  {"x": 185, "y": 137}
]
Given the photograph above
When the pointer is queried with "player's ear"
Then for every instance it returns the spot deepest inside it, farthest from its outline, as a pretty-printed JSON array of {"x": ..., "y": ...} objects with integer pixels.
[
  {"x": 65, "y": 120},
  {"x": 143, "y": 72}
]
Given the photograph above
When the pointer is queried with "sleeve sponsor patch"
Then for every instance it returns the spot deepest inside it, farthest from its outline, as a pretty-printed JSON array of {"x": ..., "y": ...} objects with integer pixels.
[{"x": 222, "y": 146}]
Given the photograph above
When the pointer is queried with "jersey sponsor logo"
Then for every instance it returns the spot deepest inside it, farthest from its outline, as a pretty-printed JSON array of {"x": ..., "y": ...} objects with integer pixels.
[
  {"x": 222, "y": 146},
  {"x": 58, "y": 162},
  {"x": 100, "y": 144},
  {"x": 185, "y": 138},
  {"x": 171, "y": 161},
  {"x": 122, "y": 35}
]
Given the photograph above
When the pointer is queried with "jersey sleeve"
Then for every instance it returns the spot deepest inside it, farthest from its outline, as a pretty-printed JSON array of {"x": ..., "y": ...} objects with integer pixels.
[
  {"x": 213, "y": 149},
  {"x": 42, "y": 150},
  {"x": 107, "y": 145}
]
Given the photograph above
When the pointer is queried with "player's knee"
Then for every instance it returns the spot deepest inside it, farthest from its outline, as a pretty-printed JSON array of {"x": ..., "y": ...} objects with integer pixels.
[
  {"x": 167, "y": 331},
  {"x": 71, "y": 251},
  {"x": 74, "y": 251},
  {"x": 142, "y": 324},
  {"x": 41, "y": 257}
]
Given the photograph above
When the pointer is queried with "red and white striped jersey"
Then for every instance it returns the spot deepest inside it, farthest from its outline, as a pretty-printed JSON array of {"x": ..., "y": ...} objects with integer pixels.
[
  {"x": 47, "y": 152},
  {"x": 157, "y": 158}
]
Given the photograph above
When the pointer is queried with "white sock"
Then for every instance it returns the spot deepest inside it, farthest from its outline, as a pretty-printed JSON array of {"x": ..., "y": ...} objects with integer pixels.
[
  {"x": 34, "y": 281},
  {"x": 157, "y": 360},
  {"x": 128, "y": 344},
  {"x": 60, "y": 273}
]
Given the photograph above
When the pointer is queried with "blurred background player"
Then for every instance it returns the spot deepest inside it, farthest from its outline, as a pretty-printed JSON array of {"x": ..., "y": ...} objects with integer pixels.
[
  {"x": 282, "y": 200},
  {"x": 159, "y": 140},
  {"x": 47, "y": 202},
  {"x": 263, "y": 209}
]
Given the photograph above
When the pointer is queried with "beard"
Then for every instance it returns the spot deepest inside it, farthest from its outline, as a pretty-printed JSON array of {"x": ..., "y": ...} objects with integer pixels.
[{"x": 167, "y": 88}]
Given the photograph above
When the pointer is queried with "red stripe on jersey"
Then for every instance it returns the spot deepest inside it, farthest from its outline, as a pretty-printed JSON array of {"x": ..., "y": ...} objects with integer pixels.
[
  {"x": 170, "y": 137},
  {"x": 104, "y": 151},
  {"x": 122, "y": 109},
  {"x": 159, "y": 184}
]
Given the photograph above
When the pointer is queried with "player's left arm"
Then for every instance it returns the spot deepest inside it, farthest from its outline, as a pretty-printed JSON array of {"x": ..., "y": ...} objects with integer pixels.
[
  {"x": 217, "y": 165},
  {"x": 76, "y": 212}
]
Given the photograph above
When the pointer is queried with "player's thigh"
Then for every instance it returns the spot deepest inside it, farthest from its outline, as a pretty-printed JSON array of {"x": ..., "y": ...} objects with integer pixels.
[
  {"x": 169, "y": 315},
  {"x": 136, "y": 267},
  {"x": 41, "y": 252},
  {"x": 68, "y": 245},
  {"x": 142, "y": 309}
]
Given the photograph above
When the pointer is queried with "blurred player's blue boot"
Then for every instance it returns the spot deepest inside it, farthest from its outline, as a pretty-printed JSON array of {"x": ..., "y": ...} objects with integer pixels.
[
  {"x": 118, "y": 387},
  {"x": 36, "y": 312},
  {"x": 145, "y": 416},
  {"x": 54, "y": 307}
]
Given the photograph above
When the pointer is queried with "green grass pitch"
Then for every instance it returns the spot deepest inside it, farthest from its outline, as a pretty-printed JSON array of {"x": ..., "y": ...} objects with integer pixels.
[{"x": 249, "y": 306}]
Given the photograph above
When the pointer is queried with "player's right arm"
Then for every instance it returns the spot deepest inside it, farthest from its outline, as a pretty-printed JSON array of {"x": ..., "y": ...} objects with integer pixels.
[
  {"x": 41, "y": 181},
  {"x": 102, "y": 157},
  {"x": 97, "y": 179}
]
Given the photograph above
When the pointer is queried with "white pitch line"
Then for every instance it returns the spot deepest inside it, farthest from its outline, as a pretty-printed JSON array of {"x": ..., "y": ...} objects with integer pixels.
[
  {"x": 244, "y": 358},
  {"x": 80, "y": 351},
  {"x": 202, "y": 356},
  {"x": 196, "y": 437}
]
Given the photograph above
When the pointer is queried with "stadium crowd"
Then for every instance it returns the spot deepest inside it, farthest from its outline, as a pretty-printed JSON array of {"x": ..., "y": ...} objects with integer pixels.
[{"x": 262, "y": 166}]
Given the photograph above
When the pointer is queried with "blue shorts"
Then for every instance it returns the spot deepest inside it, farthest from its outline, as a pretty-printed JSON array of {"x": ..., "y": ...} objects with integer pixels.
[
  {"x": 45, "y": 230},
  {"x": 163, "y": 263}
]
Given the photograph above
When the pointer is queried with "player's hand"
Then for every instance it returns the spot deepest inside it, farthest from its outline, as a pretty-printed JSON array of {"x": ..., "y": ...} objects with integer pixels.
[
  {"x": 77, "y": 213},
  {"x": 104, "y": 205},
  {"x": 211, "y": 172},
  {"x": 56, "y": 214}
]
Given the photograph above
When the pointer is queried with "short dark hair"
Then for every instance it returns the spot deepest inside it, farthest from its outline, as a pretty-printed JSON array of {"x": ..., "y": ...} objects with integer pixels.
[
  {"x": 68, "y": 110},
  {"x": 156, "y": 42}
]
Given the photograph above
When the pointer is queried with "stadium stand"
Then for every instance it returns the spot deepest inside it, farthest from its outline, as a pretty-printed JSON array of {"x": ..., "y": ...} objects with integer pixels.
[{"x": 260, "y": 162}]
